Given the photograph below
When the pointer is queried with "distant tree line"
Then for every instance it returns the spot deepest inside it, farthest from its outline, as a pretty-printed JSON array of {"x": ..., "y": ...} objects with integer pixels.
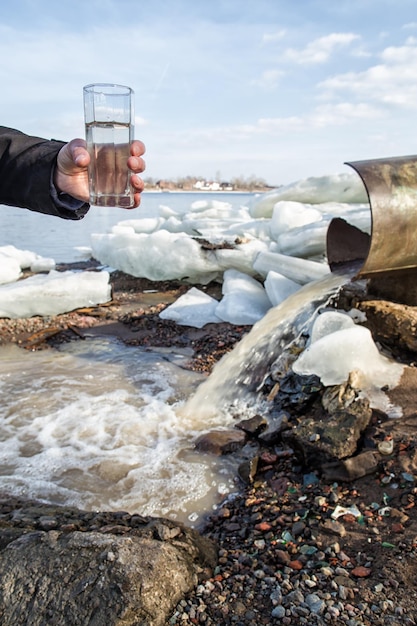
[{"x": 188, "y": 183}]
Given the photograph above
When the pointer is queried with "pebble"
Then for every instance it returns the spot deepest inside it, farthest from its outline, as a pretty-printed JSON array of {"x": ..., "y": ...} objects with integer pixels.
[
  {"x": 278, "y": 612},
  {"x": 293, "y": 566}
]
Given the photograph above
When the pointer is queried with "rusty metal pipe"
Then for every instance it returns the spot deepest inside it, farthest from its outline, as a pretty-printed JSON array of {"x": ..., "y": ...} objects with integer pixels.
[{"x": 391, "y": 185}]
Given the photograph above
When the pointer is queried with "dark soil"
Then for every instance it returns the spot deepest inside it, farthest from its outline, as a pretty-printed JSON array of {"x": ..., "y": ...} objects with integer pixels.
[{"x": 133, "y": 316}]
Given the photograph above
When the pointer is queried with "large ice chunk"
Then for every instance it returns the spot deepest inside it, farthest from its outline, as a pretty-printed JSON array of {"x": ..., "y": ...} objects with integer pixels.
[
  {"x": 335, "y": 355},
  {"x": 13, "y": 260},
  {"x": 157, "y": 256},
  {"x": 53, "y": 293},
  {"x": 10, "y": 269},
  {"x": 301, "y": 271},
  {"x": 244, "y": 299},
  {"x": 345, "y": 187},
  {"x": 329, "y": 322},
  {"x": 339, "y": 347},
  {"x": 305, "y": 241},
  {"x": 279, "y": 287},
  {"x": 194, "y": 308},
  {"x": 288, "y": 215},
  {"x": 42, "y": 264},
  {"x": 25, "y": 258}
]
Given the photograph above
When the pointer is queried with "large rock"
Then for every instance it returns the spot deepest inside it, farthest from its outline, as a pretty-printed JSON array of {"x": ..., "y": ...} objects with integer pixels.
[
  {"x": 392, "y": 323},
  {"x": 221, "y": 442},
  {"x": 332, "y": 432},
  {"x": 99, "y": 578}
]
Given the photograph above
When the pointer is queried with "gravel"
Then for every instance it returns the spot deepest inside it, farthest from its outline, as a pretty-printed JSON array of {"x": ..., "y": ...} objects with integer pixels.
[{"x": 283, "y": 559}]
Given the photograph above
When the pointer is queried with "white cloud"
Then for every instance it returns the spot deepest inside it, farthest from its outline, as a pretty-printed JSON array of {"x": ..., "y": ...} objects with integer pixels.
[
  {"x": 269, "y": 79},
  {"x": 319, "y": 50},
  {"x": 323, "y": 116},
  {"x": 343, "y": 113},
  {"x": 268, "y": 38},
  {"x": 393, "y": 82},
  {"x": 406, "y": 54}
]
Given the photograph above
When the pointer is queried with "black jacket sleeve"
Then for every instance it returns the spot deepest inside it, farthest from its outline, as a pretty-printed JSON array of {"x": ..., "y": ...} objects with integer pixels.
[{"x": 26, "y": 173}]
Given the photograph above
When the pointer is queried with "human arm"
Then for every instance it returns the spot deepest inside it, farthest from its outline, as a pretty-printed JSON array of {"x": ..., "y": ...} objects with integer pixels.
[
  {"x": 50, "y": 176},
  {"x": 26, "y": 170}
]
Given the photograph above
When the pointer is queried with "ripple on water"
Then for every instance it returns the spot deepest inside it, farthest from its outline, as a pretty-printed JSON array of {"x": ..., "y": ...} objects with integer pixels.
[{"x": 97, "y": 425}]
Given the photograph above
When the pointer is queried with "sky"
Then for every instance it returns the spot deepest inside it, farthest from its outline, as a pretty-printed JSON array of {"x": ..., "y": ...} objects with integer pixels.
[{"x": 277, "y": 89}]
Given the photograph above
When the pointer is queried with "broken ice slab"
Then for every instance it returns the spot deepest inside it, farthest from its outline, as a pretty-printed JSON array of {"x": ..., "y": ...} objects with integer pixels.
[
  {"x": 54, "y": 293},
  {"x": 301, "y": 271}
]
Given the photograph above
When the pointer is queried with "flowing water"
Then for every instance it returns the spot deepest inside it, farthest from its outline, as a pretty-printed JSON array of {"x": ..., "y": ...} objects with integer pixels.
[
  {"x": 99, "y": 425},
  {"x": 95, "y": 424},
  {"x": 235, "y": 380}
]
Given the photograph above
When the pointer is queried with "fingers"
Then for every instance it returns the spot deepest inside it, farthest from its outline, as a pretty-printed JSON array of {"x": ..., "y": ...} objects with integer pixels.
[
  {"x": 138, "y": 186},
  {"x": 73, "y": 156},
  {"x": 137, "y": 198},
  {"x": 137, "y": 148},
  {"x": 135, "y": 162},
  {"x": 71, "y": 172},
  {"x": 137, "y": 183},
  {"x": 79, "y": 154},
  {"x": 77, "y": 149}
]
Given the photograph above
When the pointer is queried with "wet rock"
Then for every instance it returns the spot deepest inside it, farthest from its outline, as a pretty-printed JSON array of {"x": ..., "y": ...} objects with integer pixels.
[
  {"x": 221, "y": 442},
  {"x": 404, "y": 396},
  {"x": 391, "y": 323},
  {"x": 333, "y": 527},
  {"x": 276, "y": 426},
  {"x": 296, "y": 393},
  {"x": 247, "y": 470},
  {"x": 361, "y": 572},
  {"x": 334, "y": 432},
  {"x": 340, "y": 397},
  {"x": 350, "y": 469},
  {"x": 253, "y": 426},
  {"x": 94, "y": 578}
]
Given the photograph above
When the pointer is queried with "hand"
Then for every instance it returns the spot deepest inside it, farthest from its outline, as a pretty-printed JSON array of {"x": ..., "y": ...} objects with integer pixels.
[{"x": 71, "y": 175}]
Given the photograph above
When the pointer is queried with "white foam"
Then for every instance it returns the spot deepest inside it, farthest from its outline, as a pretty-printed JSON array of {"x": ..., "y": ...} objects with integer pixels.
[{"x": 107, "y": 434}]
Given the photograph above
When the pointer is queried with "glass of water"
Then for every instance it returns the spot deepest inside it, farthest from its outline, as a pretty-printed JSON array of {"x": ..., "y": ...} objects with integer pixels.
[{"x": 109, "y": 130}]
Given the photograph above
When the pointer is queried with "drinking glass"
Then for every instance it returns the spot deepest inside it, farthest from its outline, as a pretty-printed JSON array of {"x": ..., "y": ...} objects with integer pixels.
[{"x": 109, "y": 130}]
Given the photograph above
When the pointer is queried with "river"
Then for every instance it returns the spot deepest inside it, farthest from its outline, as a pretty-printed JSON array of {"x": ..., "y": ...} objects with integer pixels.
[{"x": 58, "y": 239}]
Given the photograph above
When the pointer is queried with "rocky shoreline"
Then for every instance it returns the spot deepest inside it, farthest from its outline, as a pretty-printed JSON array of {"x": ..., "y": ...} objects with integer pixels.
[{"x": 294, "y": 546}]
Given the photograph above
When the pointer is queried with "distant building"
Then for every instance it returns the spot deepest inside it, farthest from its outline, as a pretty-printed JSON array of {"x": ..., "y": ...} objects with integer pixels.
[{"x": 203, "y": 185}]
